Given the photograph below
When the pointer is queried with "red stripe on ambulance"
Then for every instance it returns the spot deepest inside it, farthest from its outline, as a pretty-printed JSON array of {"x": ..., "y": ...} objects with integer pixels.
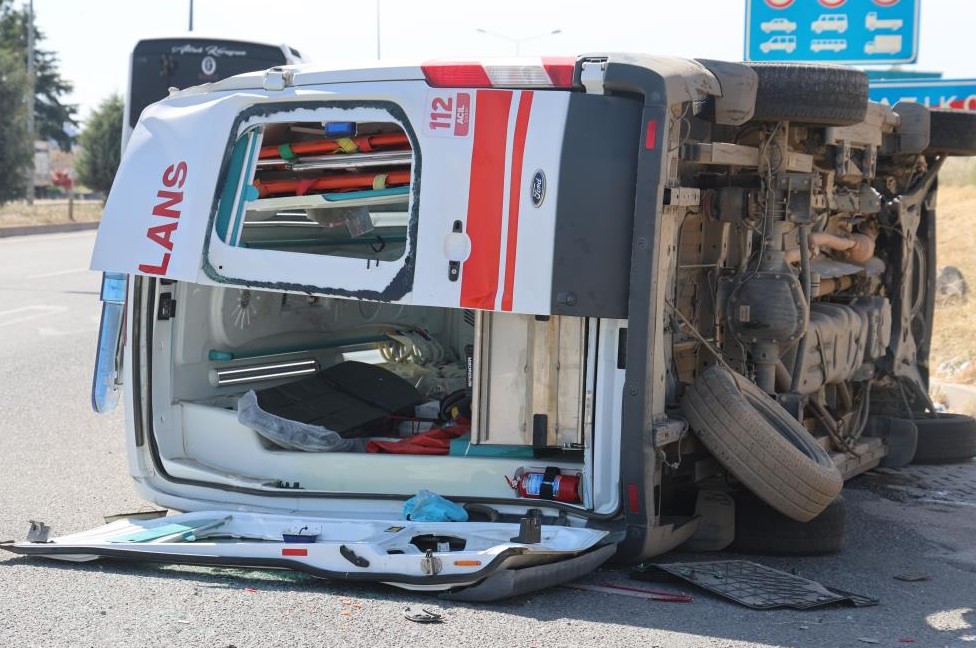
[
  {"x": 515, "y": 195},
  {"x": 479, "y": 276}
]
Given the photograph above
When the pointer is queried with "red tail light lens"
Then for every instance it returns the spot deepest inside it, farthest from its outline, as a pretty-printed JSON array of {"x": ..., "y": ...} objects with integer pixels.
[
  {"x": 560, "y": 70},
  {"x": 633, "y": 498},
  {"x": 447, "y": 74}
]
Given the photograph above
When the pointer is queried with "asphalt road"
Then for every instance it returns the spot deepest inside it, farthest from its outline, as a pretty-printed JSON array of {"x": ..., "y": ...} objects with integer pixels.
[{"x": 62, "y": 464}]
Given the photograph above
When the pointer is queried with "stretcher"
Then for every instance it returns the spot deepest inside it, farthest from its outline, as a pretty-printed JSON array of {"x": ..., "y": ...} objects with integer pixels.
[
  {"x": 363, "y": 143},
  {"x": 345, "y": 161},
  {"x": 351, "y": 181}
]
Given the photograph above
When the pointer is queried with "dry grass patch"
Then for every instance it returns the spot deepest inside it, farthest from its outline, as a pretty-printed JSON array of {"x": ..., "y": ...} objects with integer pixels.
[
  {"x": 49, "y": 211},
  {"x": 953, "y": 357}
]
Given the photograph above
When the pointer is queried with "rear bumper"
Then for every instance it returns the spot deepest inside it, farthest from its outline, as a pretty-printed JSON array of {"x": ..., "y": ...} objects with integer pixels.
[
  {"x": 506, "y": 583},
  {"x": 495, "y": 581}
]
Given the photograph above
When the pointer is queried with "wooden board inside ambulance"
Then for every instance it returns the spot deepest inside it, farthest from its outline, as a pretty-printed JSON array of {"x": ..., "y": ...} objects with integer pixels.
[{"x": 530, "y": 366}]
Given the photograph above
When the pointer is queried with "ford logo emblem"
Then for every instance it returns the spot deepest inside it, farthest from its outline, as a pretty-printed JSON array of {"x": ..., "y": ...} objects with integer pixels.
[{"x": 537, "y": 190}]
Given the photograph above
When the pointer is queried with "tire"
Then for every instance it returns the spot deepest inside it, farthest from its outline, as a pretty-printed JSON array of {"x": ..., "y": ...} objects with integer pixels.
[
  {"x": 952, "y": 132},
  {"x": 945, "y": 438},
  {"x": 810, "y": 93},
  {"x": 760, "y": 529},
  {"x": 761, "y": 444}
]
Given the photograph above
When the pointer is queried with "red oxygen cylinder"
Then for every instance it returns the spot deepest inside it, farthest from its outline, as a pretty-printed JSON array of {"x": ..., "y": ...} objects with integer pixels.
[{"x": 547, "y": 484}]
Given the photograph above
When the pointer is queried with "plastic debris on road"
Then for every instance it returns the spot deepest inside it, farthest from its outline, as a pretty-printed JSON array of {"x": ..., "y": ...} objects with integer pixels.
[{"x": 753, "y": 585}]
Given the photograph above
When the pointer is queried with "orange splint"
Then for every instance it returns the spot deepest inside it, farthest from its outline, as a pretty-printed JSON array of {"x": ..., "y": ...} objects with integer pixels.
[
  {"x": 362, "y": 144},
  {"x": 303, "y": 186}
]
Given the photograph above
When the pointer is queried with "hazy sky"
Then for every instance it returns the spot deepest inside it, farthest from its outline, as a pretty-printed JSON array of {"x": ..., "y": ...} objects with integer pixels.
[{"x": 93, "y": 38}]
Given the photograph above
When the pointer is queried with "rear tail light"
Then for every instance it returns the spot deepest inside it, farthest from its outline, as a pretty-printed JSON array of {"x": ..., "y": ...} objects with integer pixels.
[
  {"x": 549, "y": 72},
  {"x": 456, "y": 75},
  {"x": 633, "y": 498},
  {"x": 560, "y": 70}
]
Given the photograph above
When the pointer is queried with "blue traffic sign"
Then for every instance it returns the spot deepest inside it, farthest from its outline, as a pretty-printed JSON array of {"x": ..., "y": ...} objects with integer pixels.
[
  {"x": 865, "y": 32},
  {"x": 958, "y": 94}
]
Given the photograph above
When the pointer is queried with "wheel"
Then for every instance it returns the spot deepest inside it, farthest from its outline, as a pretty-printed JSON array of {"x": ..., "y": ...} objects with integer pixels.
[
  {"x": 952, "y": 132},
  {"x": 945, "y": 438},
  {"x": 760, "y": 529},
  {"x": 758, "y": 441},
  {"x": 828, "y": 95}
]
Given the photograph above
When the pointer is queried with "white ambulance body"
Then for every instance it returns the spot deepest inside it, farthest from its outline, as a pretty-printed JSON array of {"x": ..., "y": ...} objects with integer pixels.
[{"x": 504, "y": 238}]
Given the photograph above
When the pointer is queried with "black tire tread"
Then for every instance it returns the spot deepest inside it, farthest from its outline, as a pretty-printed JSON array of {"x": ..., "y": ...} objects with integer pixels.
[
  {"x": 760, "y": 529},
  {"x": 945, "y": 438},
  {"x": 952, "y": 132},
  {"x": 810, "y": 93},
  {"x": 747, "y": 432}
]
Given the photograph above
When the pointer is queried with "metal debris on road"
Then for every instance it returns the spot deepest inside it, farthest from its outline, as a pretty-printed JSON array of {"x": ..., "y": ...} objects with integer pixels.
[
  {"x": 621, "y": 589},
  {"x": 424, "y": 616},
  {"x": 913, "y": 577}
]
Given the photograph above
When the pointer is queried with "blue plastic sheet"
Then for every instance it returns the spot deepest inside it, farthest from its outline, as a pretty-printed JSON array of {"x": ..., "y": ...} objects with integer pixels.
[{"x": 428, "y": 506}]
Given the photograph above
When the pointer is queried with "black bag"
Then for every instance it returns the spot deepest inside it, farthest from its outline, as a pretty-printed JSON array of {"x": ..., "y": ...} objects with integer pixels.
[{"x": 350, "y": 398}]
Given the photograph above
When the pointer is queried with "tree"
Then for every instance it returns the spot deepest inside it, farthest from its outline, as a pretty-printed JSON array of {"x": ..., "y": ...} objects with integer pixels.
[
  {"x": 101, "y": 145},
  {"x": 50, "y": 114},
  {"x": 15, "y": 147}
]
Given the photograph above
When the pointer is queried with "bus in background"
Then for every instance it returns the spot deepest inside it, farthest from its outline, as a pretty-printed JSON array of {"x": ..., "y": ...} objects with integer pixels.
[{"x": 158, "y": 64}]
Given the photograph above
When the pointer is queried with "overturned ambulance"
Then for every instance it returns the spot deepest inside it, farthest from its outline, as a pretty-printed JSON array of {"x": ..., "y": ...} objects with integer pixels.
[{"x": 570, "y": 309}]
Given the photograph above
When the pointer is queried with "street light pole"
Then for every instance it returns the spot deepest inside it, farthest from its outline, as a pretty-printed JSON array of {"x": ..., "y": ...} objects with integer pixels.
[
  {"x": 518, "y": 41},
  {"x": 377, "y": 30},
  {"x": 191, "y": 15},
  {"x": 30, "y": 98}
]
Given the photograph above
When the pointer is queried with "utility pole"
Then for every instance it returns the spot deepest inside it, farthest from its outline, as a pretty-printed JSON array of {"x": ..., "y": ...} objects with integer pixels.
[{"x": 30, "y": 98}]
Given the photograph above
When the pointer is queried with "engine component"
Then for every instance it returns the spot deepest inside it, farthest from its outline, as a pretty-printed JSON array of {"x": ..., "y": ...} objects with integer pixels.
[
  {"x": 768, "y": 306},
  {"x": 834, "y": 348},
  {"x": 840, "y": 340},
  {"x": 857, "y": 248},
  {"x": 877, "y": 313},
  {"x": 728, "y": 204}
]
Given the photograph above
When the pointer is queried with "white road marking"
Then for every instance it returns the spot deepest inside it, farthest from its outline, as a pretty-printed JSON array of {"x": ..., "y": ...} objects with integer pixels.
[
  {"x": 15, "y": 240},
  {"x": 20, "y": 314},
  {"x": 47, "y": 331},
  {"x": 50, "y": 331},
  {"x": 57, "y": 273}
]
